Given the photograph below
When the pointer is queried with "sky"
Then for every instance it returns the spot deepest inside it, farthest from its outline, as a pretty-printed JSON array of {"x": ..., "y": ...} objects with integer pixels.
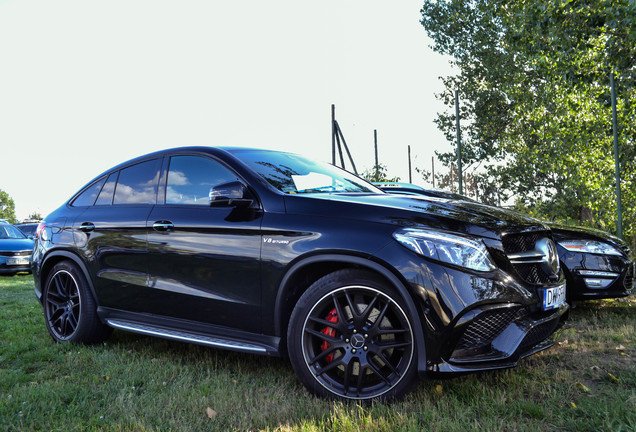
[{"x": 85, "y": 85}]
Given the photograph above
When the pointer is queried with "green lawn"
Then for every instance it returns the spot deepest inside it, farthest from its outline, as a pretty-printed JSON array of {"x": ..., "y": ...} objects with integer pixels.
[{"x": 587, "y": 382}]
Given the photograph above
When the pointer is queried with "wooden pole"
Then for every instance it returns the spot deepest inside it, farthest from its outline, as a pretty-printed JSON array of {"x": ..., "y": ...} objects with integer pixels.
[
  {"x": 410, "y": 178},
  {"x": 459, "y": 144},
  {"x": 333, "y": 134},
  {"x": 375, "y": 141},
  {"x": 617, "y": 167}
]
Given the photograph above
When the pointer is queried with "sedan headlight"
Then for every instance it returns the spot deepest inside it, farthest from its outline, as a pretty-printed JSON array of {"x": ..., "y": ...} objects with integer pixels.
[
  {"x": 590, "y": 246},
  {"x": 449, "y": 248}
]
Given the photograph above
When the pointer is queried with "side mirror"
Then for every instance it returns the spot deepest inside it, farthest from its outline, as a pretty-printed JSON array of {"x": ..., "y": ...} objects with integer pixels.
[{"x": 232, "y": 194}]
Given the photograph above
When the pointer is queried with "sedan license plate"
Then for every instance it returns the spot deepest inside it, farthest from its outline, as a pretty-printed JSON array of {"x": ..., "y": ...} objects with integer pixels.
[
  {"x": 553, "y": 297},
  {"x": 17, "y": 261}
]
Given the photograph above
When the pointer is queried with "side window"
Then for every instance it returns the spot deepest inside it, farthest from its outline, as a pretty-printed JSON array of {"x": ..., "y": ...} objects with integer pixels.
[
  {"x": 106, "y": 195},
  {"x": 138, "y": 184},
  {"x": 190, "y": 179},
  {"x": 87, "y": 198}
]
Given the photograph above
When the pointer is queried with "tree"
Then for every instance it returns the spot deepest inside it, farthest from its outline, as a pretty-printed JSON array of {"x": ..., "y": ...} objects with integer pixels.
[
  {"x": 7, "y": 207},
  {"x": 534, "y": 85},
  {"x": 378, "y": 174},
  {"x": 35, "y": 216},
  {"x": 477, "y": 186}
]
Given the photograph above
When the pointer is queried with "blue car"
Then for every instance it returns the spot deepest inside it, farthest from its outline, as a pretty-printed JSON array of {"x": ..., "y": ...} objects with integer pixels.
[{"x": 15, "y": 250}]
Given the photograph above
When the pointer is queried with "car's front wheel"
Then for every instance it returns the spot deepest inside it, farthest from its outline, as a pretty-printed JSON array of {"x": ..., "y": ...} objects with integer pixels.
[
  {"x": 349, "y": 337},
  {"x": 70, "y": 311}
]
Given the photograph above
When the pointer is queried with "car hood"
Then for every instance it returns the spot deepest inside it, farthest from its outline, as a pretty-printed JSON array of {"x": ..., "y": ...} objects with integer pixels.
[
  {"x": 417, "y": 211},
  {"x": 578, "y": 232},
  {"x": 15, "y": 244}
]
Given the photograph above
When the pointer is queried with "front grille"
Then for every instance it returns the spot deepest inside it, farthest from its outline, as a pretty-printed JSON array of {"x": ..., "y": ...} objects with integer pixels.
[
  {"x": 18, "y": 254},
  {"x": 514, "y": 243},
  {"x": 628, "y": 282},
  {"x": 524, "y": 242},
  {"x": 532, "y": 273},
  {"x": 487, "y": 327}
]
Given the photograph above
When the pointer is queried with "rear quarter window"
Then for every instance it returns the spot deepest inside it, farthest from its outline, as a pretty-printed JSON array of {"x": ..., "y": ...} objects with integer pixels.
[
  {"x": 137, "y": 184},
  {"x": 88, "y": 197}
]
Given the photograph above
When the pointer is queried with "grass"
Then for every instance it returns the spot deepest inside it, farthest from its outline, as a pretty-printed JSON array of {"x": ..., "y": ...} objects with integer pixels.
[{"x": 586, "y": 382}]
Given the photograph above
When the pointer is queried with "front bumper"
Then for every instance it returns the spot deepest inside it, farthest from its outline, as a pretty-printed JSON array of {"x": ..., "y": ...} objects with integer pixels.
[
  {"x": 7, "y": 267},
  {"x": 498, "y": 337},
  {"x": 475, "y": 321},
  {"x": 596, "y": 277}
]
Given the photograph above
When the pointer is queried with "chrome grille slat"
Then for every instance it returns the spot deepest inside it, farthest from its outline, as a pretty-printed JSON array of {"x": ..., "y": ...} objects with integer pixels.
[{"x": 526, "y": 261}]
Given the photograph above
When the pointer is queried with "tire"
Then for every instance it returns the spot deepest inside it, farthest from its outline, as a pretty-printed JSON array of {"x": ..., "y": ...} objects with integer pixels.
[
  {"x": 70, "y": 312},
  {"x": 349, "y": 338}
]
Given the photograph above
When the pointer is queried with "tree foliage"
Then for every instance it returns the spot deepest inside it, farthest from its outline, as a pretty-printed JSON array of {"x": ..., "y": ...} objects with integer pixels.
[
  {"x": 535, "y": 99},
  {"x": 476, "y": 185},
  {"x": 7, "y": 207},
  {"x": 379, "y": 173}
]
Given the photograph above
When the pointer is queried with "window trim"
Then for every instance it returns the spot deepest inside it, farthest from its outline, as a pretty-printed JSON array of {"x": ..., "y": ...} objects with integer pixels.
[{"x": 115, "y": 175}]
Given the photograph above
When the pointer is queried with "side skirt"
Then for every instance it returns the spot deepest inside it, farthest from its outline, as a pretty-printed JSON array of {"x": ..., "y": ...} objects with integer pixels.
[{"x": 190, "y": 332}]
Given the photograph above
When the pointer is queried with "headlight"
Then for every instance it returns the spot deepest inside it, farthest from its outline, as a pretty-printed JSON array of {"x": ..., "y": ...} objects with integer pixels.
[
  {"x": 590, "y": 246},
  {"x": 449, "y": 248}
]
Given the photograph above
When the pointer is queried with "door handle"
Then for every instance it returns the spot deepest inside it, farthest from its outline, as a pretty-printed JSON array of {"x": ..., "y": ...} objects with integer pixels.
[
  {"x": 87, "y": 227},
  {"x": 163, "y": 226}
]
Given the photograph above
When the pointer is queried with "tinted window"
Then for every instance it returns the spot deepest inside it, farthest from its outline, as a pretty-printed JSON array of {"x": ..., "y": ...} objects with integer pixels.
[
  {"x": 138, "y": 184},
  {"x": 10, "y": 232},
  {"x": 294, "y": 174},
  {"x": 87, "y": 198},
  {"x": 28, "y": 229},
  {"x": 106, "y": 195},
  {"x": 190, "y": 179}
]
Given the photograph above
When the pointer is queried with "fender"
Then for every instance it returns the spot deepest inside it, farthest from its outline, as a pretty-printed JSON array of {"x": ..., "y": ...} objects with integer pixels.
[
  {"x": 362, "y": 262},
  {"x": 77, "y": 260}
]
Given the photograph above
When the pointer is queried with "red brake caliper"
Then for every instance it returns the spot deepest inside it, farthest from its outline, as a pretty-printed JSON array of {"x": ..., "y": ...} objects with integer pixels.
[{"x": 331, "y": 332}]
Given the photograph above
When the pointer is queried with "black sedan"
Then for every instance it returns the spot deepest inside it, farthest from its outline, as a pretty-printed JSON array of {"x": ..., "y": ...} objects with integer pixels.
[
  {"x": 273, "y": 253},
  {"x": 596, "y": 264}
]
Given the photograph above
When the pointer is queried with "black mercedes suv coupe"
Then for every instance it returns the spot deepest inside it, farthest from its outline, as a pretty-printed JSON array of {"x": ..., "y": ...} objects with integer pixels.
[{"x": 272, "y": 253}]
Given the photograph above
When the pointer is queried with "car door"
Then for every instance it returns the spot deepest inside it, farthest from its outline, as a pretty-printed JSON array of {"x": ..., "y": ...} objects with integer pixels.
[
  {"x": 203, "y": 262},
  {"x": 111, "y": 234}
]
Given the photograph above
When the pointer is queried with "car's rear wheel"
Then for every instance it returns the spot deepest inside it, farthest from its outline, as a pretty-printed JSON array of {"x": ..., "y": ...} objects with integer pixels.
[
  {"x": 350, "y": 338},
  {"x": 70, "y": 311}
]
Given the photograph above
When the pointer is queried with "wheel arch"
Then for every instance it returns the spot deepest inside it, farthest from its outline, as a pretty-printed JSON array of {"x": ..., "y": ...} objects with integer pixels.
[
  {"x": 57, "y": 256},
  {"x": 303, "y": 273}
]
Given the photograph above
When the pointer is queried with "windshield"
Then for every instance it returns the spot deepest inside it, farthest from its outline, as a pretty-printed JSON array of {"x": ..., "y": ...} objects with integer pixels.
[
  {"x": 10, "y": 232},
  {"x": 295, "y": 174}
]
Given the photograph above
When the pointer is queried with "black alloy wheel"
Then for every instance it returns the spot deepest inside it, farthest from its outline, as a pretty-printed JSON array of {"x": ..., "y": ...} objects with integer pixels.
[
  {"x": 350, "y": 338},
  {"x": 69, "y": 309}
]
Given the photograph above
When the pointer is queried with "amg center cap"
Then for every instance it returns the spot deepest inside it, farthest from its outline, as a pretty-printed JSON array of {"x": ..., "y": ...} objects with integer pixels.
[{"x": 357, "y": 341}]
